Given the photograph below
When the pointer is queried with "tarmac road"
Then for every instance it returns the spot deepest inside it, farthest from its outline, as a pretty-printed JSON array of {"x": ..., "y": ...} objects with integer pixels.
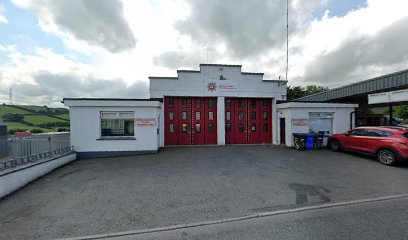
[
  {"x": 386, "y": 219},
  {"x": 187, "y": 185}
]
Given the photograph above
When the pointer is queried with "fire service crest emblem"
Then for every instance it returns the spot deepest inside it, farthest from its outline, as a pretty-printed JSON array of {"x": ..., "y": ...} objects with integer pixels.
[{"x": 212, "y": 86}]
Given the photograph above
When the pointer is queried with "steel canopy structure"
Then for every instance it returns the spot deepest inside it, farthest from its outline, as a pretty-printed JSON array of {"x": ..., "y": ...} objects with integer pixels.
[{"x": 358, "y": 92}]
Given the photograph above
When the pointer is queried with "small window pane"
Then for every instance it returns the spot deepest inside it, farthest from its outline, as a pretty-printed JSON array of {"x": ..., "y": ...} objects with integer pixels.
[
  {"x": 184, "y": 102},
  {"x": 241, "y": 116},
  {"x": 117, "y": 124},
  {"x": 241, "y": 127},
  {"x": 171, "y": 102},
  {"x": 210, "y": 128},
  {"x": 228, "y": 103},
  {"x": 198, "y": 103},
  {"x": 108, "y": 115},
  {"x": 228, "y": 127},
  {"x": 171, "y": 127},
  {"x": 253, "y": 103},
  {"x": 184, "y": 127},
  {"x": 253, "y": 115},
  {"x": 198, "y": 128},
  {"x": 127, "y": 115},
  {"x": 171, "y": 115},
  {"x": 228, "y": 116},
  {"x": 198, "y": 115},
  {"x": 210, "y": 103},
  {"x": 253, "y": 127},
  {"x": 241, "y": 103},
  {"x": 265, "y": 104},
  {"x": 117, "y": 127},
  {"x": 265, "y": 115},
  {"x": 210, "y": 115},
  {"x": 184, "y": 115},
  {"x": 265, "y": 127}
]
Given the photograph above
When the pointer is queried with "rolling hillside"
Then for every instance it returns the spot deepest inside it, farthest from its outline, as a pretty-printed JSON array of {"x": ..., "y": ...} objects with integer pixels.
[{"x": 34, "y": 118}]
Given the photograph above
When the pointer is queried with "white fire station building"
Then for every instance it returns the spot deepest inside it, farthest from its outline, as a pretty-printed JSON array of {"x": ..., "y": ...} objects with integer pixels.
[{"x": 216, "y": 105}]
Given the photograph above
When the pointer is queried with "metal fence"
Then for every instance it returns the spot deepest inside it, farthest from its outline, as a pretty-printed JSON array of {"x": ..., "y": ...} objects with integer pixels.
[{"x": 27, "y": 149}]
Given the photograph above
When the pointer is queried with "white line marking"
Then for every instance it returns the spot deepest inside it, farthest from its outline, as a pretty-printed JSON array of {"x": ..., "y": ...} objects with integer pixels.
[{"x": 236, "y": 219}]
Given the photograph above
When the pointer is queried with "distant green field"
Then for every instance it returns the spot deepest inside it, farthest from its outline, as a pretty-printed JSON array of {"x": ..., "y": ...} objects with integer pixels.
[
  {"x": 6, "y": 109},
  {"x": 15, "y": 125},
  {"x": 64, "y": 116},
  {"x": 33, "y": 116},
  {"x": 41, "y": 119}
]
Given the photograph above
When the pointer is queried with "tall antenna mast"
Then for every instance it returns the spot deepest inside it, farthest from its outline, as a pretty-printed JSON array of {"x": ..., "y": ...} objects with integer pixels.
[
  {"x": 11, "y": 97},
  {"x": 287, "y": 38}
]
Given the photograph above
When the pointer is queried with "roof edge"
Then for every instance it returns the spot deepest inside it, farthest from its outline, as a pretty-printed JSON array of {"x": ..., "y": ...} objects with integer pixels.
[
  {"x": 153, "y": 77},
  {"x": 111, "y": 99}
]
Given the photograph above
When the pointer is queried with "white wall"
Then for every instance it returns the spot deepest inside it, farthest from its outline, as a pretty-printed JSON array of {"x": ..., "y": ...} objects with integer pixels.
[
  {"x": 194, "y": 83},
  {"x": 86, "y": 129},
  {"x": 297, "y": 110},
  {"x": 13, "y": 179}
]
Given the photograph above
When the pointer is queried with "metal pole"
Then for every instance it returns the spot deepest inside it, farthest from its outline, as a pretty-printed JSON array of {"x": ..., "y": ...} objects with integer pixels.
[{"x": 287, "y": 38}]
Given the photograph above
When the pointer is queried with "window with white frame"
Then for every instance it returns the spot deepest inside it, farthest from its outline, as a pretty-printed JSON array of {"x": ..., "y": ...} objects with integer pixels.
[
  {"x": 321, "y": 122},
  {"x": 117, "y": 124}
]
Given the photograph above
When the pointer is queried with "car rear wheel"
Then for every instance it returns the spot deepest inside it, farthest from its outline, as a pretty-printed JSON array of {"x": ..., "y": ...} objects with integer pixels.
[
  {"x": 334, "y": 145},
  {"x": 387, "y": 157}
]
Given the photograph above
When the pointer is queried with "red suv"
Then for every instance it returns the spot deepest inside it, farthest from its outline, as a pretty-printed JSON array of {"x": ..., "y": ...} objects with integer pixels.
[{"x": 388, "y": 144}]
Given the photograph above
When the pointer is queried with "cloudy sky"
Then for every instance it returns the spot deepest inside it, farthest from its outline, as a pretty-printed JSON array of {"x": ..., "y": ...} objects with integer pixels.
[{"x": 107, "y": 48}]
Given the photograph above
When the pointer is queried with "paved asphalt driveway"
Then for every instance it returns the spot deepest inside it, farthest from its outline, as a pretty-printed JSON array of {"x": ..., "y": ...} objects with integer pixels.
[{"x": 189, "y": 184}]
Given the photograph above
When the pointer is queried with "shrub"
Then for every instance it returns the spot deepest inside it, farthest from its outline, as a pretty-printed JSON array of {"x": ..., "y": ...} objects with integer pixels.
[
  {"x": 36, "y": 130},
  {"x": 12, "y": 131},
  {"x": 10, "y": 117}
]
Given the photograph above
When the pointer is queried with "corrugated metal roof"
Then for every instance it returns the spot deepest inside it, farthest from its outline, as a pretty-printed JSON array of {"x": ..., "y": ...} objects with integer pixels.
[{"x": 393, "y": 81}]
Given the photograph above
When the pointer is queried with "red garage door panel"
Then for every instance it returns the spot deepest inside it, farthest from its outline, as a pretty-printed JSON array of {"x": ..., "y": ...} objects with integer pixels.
[
  {"x": 240, "y": 126},
  {"x": 265, "y": 121},
  {"x": 210, "y": 121},
  {"x": 190, "y": 120},
  {"x": 248, "y": 120},
  {"x": 229, "y": 120},
  {"x": 171, "y": 120},
  {"x": 184, "y": 129}
]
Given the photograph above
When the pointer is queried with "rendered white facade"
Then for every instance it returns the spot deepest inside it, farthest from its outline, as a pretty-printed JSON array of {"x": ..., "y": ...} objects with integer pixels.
[
  {"x": 230, "y": 81},
  {"x": 296, "y": 115},
  {"x": 86, "y": 126}
]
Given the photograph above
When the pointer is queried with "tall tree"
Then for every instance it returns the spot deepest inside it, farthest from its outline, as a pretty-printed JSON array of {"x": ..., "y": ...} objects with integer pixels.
[{"x": 298, "y": 91}]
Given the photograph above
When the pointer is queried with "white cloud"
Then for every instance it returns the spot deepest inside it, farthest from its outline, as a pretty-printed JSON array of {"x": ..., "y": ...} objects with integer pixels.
[
  {"x": 175, "y": 34},
  {"x": 98, "y": 23},
  {"x": 331, "y": 35},
  {"x": 3, "y": 19}
]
